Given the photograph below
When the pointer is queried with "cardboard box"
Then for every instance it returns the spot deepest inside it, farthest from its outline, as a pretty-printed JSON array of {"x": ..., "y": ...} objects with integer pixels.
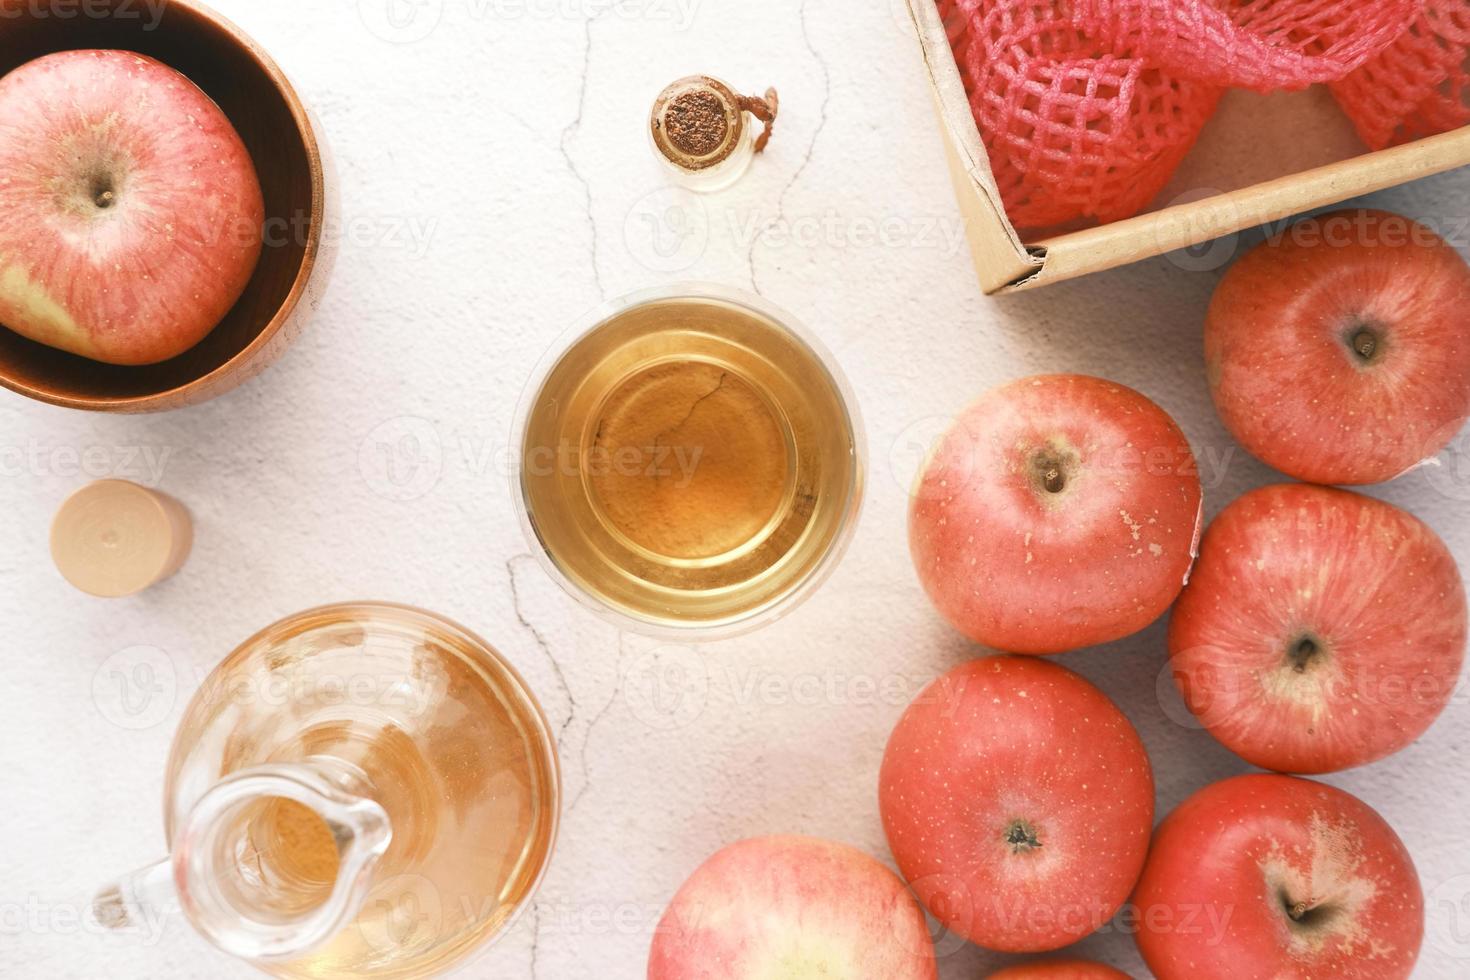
[{"x": 1007, "y": 263}]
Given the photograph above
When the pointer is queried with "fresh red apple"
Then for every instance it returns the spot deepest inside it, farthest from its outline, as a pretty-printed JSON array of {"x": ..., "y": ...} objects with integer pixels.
[
  {"x": 1060, "y": 970},
  {"x": 130, "y": 213},
  {"x": 1018, "y": 802},
  {"x": 1321, "y": 629},
  {"x": 1058, "y": 512},
  {"x": 1264, "y": 877},
  {"x": 792, "y": 907},
  {"x": 1339, "y": 352}
]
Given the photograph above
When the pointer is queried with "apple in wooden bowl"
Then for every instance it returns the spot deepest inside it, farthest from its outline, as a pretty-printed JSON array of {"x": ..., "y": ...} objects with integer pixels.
[{"x": 162, "y": 221}]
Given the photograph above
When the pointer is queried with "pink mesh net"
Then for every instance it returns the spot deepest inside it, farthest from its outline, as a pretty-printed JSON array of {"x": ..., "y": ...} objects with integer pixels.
[
  {"x": 1073, "y": 128},
  {"x": 1258, "y": 44},
  {"x": 1419, "y": 85},
  {"x": 1086, "y": 107}
]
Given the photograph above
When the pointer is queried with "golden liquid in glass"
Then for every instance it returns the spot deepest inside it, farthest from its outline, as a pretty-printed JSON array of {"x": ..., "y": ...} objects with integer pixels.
[{"x": 689, "y": 461}]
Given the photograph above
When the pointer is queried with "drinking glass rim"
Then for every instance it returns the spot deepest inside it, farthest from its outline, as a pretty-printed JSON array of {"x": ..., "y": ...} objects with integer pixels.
[{"x": 764, "y": 615}]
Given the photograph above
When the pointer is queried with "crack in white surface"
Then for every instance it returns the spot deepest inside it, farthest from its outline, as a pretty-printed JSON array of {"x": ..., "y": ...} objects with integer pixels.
[
  {"x": 564, "y": 147},
  {"x": 541, "y": 641},
  {"x": 535, "y": 940},
  {"x": 592, "y": 725},
  {"x": 583, "y": 749},
  {"x": 826, "y": 68}
]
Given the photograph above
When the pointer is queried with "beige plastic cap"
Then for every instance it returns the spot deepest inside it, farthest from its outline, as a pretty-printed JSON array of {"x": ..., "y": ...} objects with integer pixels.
[{"x": 113, "y": 538}]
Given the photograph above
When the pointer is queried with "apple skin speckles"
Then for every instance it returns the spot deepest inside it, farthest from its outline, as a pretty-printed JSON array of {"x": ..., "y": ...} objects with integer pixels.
[
  {"x": 1058, "y": 512},
  {"x": 1322, "y": 629},
  {"x": 1266, "y": 876},
  {"x": 1017, "y": 800},
  {"x": 131, "y": 217},
  {"x": 1339, "y": 351}
]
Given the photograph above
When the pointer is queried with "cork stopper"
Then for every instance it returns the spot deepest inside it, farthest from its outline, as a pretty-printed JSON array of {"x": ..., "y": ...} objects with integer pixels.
[
  {"x": 113, "y": 538},
  {"x": 699, "y": 121}
]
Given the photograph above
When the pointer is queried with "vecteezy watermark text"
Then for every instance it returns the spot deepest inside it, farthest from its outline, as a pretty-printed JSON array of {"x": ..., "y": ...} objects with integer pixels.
[
  {"x": 669, "y": 230},
  {"x": 142, "y": 464},
  {"x": 404, "y": 458},
  {"x": 413, "y": 234},
  {"x": 835, "y": 230},
  {"x": 670, "y": 687},
  {"x": 138, "y": 687},
  {"x": 1213, "y": 228},
  {"x": 35, "y": 916},
  {"x": 149, "y": 11}
]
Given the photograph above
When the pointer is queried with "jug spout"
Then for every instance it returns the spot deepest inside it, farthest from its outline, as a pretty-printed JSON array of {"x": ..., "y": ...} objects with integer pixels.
[{"x": 270, "y": 863}]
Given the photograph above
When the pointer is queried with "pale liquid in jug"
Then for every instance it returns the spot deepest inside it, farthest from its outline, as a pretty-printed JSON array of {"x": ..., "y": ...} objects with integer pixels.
[{"x": 452, "y": 748}]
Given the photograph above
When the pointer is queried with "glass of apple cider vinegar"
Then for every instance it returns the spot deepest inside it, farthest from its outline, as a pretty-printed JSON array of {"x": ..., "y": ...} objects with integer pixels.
[{"x": 690, "y": 461}]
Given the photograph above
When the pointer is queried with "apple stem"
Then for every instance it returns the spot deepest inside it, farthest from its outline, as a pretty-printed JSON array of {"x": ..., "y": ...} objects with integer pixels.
[
  {"x": 1303, "y": 652},
  {"x": 1365, "y": 343},
  {"x": 1049, "y": 471},
  {"x": 1021, "y": 837},
  {"x": 105, "y": 199},
  {"x": 1298, "y": 911}
]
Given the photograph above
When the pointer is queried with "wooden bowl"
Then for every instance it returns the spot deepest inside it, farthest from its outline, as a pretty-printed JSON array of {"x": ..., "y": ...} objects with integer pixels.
[{"x": 276, "y": 128}]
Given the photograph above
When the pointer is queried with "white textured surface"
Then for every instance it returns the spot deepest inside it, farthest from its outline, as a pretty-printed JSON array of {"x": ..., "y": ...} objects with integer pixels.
[{"x": 507, "y": 139}]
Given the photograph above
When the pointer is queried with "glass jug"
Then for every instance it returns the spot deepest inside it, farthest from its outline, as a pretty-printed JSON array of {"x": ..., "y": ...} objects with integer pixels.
[{"x": 360, "y": 790}]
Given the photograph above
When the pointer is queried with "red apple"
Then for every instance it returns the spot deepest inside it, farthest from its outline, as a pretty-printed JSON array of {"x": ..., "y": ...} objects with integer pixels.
[
  {"x": 130, "y": 213},
  {"x": 792, "y": 907},
  {"x": 1018, "y": 802},
  {"x": 1060, "y": 970},
  {"x": 1340, "y": 351},
  {"x": 1263, "y": 877},
  {"x": 1322, "y": 629},
  {"x": 1057, "y": 512}
]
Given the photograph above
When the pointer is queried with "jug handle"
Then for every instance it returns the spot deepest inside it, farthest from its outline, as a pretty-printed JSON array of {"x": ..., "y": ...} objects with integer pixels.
[{"x": 141, "y": 899}]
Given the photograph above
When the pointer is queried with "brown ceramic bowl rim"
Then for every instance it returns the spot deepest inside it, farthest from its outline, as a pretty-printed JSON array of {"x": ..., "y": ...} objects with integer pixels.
[{"x": 308, "y": 259}]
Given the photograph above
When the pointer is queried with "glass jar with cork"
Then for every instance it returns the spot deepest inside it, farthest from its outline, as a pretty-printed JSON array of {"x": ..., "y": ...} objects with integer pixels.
[{"x": 701, "y": 135}]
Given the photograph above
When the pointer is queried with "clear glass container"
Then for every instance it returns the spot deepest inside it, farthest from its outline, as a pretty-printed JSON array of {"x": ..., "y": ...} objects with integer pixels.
[
  {"x": 691, "y": 462},
  {"x": 700, "y": 133},
  {"x": 361, "y": 790}
]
